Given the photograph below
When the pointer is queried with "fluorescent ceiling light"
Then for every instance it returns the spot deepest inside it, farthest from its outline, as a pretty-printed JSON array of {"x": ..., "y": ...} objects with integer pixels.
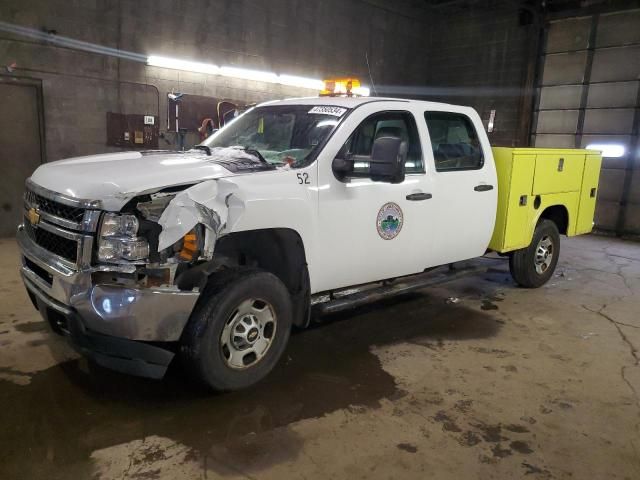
[
  {"x": 256, "y": 75},
  {"x": 302, "y": 82},
  {"x": 174, "y": 63},
  {"x": 247, "y": 74},
  {"x": 609, "y": 150}
]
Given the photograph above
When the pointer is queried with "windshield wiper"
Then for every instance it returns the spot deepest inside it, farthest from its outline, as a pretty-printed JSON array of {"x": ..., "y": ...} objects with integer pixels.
[
  {"x": 203, "y": 147},
  {"x": 256, "y": 154}
]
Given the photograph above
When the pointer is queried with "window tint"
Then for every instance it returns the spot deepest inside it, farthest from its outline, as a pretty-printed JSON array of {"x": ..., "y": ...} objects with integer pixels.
[
  {"x": 394, "y": 124},
  {"x": 454, "y": 141}
]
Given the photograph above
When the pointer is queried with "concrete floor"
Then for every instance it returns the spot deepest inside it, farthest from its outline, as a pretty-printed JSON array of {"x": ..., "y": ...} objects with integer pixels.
[{"x": 505, "y": 383}]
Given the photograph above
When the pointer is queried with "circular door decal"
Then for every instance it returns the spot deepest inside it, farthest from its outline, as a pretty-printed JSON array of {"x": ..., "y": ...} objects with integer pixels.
[{"x": 389, "y": 221}]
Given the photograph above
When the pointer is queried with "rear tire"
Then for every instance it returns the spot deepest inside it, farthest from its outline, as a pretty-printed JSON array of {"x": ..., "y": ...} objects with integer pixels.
[
  {"x": 238, "y": 330},
  {"x": 533, "y": 266}
]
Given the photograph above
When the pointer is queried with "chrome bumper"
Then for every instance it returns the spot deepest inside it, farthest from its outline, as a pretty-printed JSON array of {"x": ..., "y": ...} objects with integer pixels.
[
  {"x": 127, "y": 356},
  {"x": 141, "y": 314}
]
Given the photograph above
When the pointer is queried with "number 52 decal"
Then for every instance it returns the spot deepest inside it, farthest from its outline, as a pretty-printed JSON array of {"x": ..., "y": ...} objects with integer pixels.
[{"x": 303, "y": 178}]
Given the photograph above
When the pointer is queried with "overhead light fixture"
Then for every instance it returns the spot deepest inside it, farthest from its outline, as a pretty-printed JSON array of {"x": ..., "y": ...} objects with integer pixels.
[
  {"x": 163, "y": 62},
  {"x": 302, "y": 82},
  {"x": 609, "y": 150},
  {"x": 246, "y": 74},
  {"x": 176, "y": 64}
]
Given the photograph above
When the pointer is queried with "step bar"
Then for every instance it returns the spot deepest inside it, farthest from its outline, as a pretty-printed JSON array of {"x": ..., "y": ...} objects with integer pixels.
[{"x": 333, "y": 302}]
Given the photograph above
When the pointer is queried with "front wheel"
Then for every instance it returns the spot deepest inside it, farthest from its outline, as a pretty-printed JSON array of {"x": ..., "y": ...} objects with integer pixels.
[
  {"x": 533, "y": 266},
  {"x": 238, "y": 330}
]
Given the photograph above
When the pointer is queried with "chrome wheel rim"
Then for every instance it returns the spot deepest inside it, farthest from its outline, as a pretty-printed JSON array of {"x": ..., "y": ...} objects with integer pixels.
[
  {"x": 248, "y": 334},
  {"x": 544, "y": 254}
]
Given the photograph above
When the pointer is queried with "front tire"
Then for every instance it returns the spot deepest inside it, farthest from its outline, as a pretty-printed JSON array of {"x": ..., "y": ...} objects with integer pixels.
[
  {"x": 533, "y": 266},
  {"x": 238, "y": 330}
]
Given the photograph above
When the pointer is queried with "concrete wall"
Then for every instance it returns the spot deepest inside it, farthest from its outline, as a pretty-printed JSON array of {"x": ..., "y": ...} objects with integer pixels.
[
  {"x": 480, "y": 55},
  {"x": 474, "y": 53},
  {"x": 306, "y": 38}
]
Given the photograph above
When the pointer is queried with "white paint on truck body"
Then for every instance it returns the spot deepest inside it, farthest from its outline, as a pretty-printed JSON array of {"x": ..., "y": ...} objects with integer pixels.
[{"x": 336, "y": 220}]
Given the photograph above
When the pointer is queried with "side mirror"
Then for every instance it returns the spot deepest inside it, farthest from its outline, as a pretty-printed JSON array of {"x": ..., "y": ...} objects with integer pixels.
[
  {"x": 342, "y": 168},
  {"x": 388, "y": 156}
]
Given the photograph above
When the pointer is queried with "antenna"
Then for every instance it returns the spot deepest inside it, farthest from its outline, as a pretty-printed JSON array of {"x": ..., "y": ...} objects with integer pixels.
[{"x": 373, "y": 87}]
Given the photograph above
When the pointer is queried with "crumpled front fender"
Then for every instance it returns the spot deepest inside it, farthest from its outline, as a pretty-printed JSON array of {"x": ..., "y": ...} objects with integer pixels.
[{"x": 216, "y": 204}]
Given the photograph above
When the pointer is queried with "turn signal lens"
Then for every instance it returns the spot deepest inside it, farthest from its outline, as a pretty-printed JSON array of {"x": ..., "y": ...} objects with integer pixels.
[{"x": 189, "y": 249}]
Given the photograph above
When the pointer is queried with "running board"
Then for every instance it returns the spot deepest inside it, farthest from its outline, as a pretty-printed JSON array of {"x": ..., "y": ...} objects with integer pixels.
[{"x": 337, "y": 302}]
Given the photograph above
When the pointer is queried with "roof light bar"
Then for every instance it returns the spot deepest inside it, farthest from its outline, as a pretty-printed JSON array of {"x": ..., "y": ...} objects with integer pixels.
[
  {"x": 256, "y": 75},
  {"x": 344, "y": 86}
]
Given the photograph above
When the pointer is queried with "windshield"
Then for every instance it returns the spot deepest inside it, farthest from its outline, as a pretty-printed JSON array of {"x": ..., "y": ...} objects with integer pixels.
[{"x": 285, "y": 134}]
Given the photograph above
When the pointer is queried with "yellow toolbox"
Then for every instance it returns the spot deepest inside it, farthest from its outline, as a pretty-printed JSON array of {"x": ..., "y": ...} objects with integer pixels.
[{"x": 534, "y": 182}]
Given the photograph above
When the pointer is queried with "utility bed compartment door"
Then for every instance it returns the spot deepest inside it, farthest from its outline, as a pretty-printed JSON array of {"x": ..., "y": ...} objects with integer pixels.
[
  {"x": 557, "y": 173},
  {"x": 516, "y": 231},
  {"x": 588, "y": 194}
]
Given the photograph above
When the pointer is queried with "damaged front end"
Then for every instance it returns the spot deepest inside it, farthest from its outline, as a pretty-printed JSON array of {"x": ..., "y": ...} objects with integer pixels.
[
  {"x": 175, "y": 232},
  {"x": 138, "y": 274}
]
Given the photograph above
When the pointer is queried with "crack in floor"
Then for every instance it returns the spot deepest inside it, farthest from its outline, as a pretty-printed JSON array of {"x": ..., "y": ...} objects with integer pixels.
[
  {"x": 625, "y": 339},
  {"x": 617, "y": 274}
]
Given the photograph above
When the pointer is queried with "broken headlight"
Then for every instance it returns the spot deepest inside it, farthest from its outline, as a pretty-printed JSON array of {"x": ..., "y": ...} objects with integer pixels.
[
  {"x": 119, "y": 240},
  {"x": 152, "y": 210},
  {"x": 186, "y": 249}
]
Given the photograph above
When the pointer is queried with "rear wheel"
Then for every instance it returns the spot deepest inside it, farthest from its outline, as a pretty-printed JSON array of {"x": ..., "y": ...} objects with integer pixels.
[
  {"x": 239, "y": 330},
  {"x": 533, "y": 266}
]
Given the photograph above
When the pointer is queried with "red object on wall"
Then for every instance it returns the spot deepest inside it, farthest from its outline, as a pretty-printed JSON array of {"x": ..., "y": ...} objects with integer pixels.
[{"x": 190, "y": 111}]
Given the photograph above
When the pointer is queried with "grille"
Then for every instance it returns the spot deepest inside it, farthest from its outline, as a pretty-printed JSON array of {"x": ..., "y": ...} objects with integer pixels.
[
  {"x": 38, "y": 270},
  {"x": 74, "y": 214},
  {"x": 56, "y": 244}
]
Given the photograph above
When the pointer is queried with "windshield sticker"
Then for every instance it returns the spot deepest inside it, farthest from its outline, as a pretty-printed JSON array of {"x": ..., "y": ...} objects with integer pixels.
[
  {"x": 327, "y": 110},
  {"x": 389, "y": 221}
]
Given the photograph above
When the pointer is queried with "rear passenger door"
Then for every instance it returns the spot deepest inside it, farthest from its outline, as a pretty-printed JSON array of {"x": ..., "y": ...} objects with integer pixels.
[{"x": 464, "y": 185}]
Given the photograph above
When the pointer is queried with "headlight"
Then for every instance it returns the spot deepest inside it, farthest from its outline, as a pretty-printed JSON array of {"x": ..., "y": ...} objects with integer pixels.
[
  {"x": 188, "y": 248},
  {"x": 152, "y": 210},
  {"x": 114, "y": 249},
  {"x": 119, "y": 241},
  {"x": 114, "y": 225}
]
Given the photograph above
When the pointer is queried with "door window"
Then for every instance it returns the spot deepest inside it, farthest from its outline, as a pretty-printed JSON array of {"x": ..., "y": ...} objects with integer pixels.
[
  {"x": 454, "y": 141},
  {"x": 390, "y": 124}
]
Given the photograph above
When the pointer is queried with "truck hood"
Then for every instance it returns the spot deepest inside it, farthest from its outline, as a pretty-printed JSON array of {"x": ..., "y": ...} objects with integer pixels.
[{"x": 114, "y": 178}]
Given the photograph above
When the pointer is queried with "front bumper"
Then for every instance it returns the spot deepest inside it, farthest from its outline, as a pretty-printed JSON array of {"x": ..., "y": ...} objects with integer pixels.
[{"x": 107, "y": 322}]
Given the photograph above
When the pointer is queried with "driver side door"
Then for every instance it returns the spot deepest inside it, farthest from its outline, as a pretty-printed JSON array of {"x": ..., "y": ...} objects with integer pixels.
[{"x": 371, "y": 230}]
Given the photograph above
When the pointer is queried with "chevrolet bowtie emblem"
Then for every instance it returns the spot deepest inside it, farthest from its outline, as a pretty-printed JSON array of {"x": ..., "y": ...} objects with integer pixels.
[{"x": 33, "y": 216}]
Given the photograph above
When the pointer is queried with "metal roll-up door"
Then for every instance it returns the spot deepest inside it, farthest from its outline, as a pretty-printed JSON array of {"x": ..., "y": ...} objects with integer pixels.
[{"x": 588, "y": 93}]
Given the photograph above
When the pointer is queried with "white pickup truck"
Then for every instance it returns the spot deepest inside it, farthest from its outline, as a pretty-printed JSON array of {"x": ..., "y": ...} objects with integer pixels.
[{"x": 213, "y": 254}]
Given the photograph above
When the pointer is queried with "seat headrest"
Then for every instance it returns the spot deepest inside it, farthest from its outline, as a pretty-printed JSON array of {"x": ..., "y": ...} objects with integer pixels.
[{"x": 395, "y": 132}]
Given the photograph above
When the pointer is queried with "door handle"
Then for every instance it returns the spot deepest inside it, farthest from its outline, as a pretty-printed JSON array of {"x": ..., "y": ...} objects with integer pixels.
[
  {"x": 483, "y": 188},
  {"x": 419, "y": 196}
]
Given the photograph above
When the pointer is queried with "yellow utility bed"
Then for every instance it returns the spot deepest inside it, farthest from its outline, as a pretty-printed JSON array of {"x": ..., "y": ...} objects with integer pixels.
[{"x": 542, "y": 182}]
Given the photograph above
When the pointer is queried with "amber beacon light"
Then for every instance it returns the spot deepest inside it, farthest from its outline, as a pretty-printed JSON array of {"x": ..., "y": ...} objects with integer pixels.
[{"x": 343, "y": 87}]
